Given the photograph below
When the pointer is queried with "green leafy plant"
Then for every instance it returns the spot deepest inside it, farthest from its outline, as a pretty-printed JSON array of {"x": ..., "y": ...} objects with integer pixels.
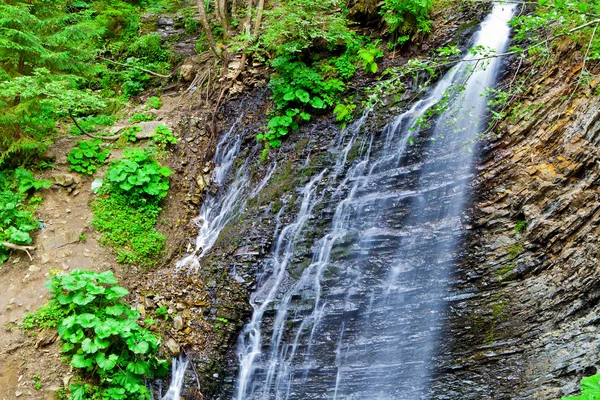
[
  {"x": 48, "y": 316},
  {"x": 16, "y": 218},
  {"x": 163, "y": 137},
  {"x": 154, "y": 102},
  {"x": 102, "y": 338},
  {"x": 36, "y": 382},
  {"x": 138, "y": 177},
  {"x": 590, "y": 389},
  {"x": 87, "y": 157},
  {"x": 130, "y": 133},
  {"x": 368, "y": 56},
  {"x": 141, "y": 117},
  {"x": 405, "y": 17},
  {"x": 520, "y": 226},
  {"x": 163, "y": 312},
  {"x": 344, "y": 113}
]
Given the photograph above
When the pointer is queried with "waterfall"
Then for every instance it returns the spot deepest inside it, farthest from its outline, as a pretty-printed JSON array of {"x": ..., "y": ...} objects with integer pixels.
[
  {"x": 362, "y": 321},
  {"x": 178, "y": 369}
]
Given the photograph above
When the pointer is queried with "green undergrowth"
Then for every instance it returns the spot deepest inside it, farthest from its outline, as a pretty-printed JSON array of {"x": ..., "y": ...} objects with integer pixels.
[
  {"x": 17, "y": 208},
  {"x": 128, "y": 229},
  {"x": 101, "y": 336},
  {"x": 127, "y": 207}
]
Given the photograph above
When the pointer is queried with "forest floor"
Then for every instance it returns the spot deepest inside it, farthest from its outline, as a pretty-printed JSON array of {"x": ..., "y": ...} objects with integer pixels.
[{"x": 30, "y": 362}]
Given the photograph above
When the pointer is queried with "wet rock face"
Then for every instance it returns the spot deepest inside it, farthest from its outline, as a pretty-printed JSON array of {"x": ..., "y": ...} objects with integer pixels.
[{"x": 528, "y": 327}]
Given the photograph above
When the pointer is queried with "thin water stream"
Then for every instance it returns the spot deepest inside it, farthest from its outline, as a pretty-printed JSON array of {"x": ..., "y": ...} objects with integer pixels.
[{"x": 362, "y": 321}]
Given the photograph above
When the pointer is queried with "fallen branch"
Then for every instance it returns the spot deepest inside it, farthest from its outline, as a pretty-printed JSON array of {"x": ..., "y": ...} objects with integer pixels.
[
  {"x": 19, "y": 247},
  {"x": 135, "y": 67}
]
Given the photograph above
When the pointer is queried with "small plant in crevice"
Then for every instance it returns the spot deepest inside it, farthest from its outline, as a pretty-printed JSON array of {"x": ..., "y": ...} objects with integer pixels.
[
  {"x": 102, "y": 338},
  {"x": 87, "y": 157},
  {"x": 163, "y": 312},
  {"x": 520, "y": 226}
]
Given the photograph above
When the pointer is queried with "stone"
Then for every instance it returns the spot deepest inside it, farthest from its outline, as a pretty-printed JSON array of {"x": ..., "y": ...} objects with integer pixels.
[
  {"x": 65, "y": 180},
  {"x": 34, "y": 268},
  {"x": 47, "y": 155},
  {"x": 148, "y": 303},
  {"x": 45, "y": 258},
  {"x": 173, "y": 347},
  {"x": 18, "y": 394},
  {"x": 178, "y": 323},
  {"x": 187, "y": 72},
  {"x": 61, "y": 240}
]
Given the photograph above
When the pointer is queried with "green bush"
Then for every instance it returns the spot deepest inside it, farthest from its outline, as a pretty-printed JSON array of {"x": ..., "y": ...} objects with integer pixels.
[
  {"x": 87, "y": 156},
  {"x": 102, "y": 337},
  {"x": 138, "y": 177},
  {"x": 298, "y": 91}
]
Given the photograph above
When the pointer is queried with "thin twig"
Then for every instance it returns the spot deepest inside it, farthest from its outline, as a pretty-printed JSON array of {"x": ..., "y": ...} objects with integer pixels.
[{"x": 135, "y": 67}]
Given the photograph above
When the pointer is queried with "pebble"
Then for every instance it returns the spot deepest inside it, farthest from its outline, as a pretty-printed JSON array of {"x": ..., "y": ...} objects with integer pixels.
[{"x": 34, "y": 268}]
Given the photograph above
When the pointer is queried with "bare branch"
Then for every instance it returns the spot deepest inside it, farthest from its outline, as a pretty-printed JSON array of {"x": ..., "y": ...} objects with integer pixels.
[
  {"x": 135, "y": 67},
  {"x": 26, "y": 249}
]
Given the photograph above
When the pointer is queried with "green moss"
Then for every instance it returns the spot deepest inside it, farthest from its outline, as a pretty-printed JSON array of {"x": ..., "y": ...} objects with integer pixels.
[
  {"x": 129, "y": 230},
  {"x": 515, "y": 249},
  {"x": 504, "y": 270}
]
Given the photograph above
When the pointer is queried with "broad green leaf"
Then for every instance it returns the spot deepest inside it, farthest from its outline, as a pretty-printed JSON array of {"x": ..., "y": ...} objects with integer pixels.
[
  {"x": 79, "y": 361},
  {"x": 109, "y": 327},
  {"x": 139, "y": 367},
  {"x": 67, "y": 347},
  {"x": 77, "y": 336},
  {"x": 116, "y": 292},
  {"x": 317, "y": 102},
  {"x": 77, "y": 392},
  {"x": 302, "y": 95},
  {"x": 115, "y": 310},
  {"x": 82, "y": 299},
  {"x": 86, "y": 320},
  {"x": 106, "y": 363}
]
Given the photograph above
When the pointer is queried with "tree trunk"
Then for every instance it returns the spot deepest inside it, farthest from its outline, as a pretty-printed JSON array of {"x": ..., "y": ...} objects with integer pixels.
[
  {"x": 222, "y": 7},
  {"x": 204, "y": 22},
  {"x": 259, "y": 15},
  {"x": 248, "y": 21}
]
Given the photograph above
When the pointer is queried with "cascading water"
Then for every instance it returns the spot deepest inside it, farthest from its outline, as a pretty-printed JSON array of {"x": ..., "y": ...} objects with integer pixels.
[
  {"x": 362, "y": 321},
  {"x": 217, "y": 210}
]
